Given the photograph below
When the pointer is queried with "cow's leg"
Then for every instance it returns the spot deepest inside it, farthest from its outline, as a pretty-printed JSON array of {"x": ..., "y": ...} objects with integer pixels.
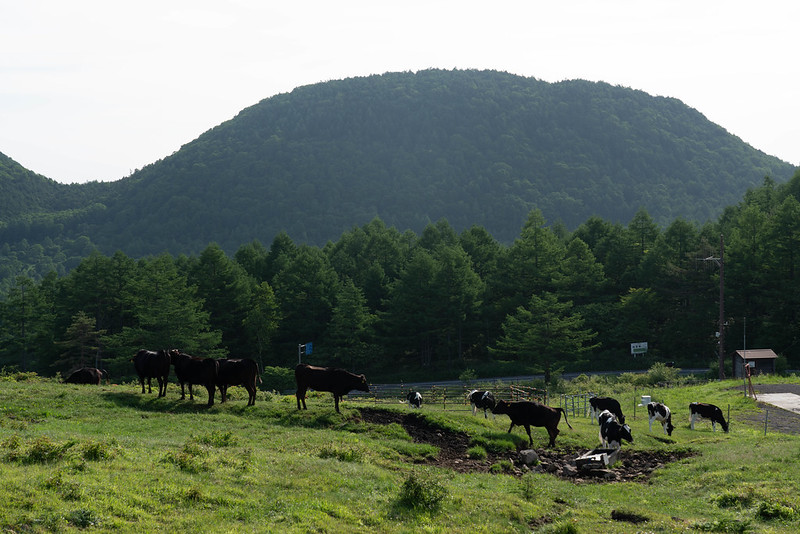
[
  {"x": 553, "y": 433},
  {"x": 149, "y": 385},
  {"x": 336, "y": 402},
  {"x": 511, "y": 427},
  {"x": 592, "y": 415},
  {"x": 713, "y": 425},
  {"x": 484, "y": 414},
  {"x": 692, "y": 421},
  {"x": 651, "y": 424},
  {"x": 301, "y": 395},
  {"x": 183, "y": 392},
  {"x": 474, "y": 408},
  {"x": 141, "y": 381},
  {"x": 211, "y": 390},
  {"x": 251, "y": 394},
  {"x": 223, "y": 392}
]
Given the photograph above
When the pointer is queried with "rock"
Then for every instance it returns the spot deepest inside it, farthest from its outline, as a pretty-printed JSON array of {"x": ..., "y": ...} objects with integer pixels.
[
  {"x": 528, "y": 457},
  {"x": 569, "y": 471}
]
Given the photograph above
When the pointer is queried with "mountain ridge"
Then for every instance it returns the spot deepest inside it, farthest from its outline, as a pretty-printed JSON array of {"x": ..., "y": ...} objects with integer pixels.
[{"x": 472, "y": 147}]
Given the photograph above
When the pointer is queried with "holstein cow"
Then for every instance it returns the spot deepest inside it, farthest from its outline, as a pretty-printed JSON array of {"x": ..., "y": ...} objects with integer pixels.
[
  {"x": 414, "y": 399},
  {"x": 337, "y": 381},
  {"x": 86, "y": 375},
  {"x": 611, "y": 432},
  {"x": 660, "y": 412},
  {"x": 528, "y": 414},
  {"x": 598, "y": 404},
  {"x": 192, "y": 370},
  {"x": 708, "y": 411},
  {"x": 238, "y": 372},
  {"x": 483, "y": 400},
  {"x": 150, "y": 365}
]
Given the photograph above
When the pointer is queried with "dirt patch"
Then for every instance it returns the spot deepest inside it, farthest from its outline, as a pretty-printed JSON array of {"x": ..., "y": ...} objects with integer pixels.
[
  {"x": 633, "y": 465},
  {"x": 778, "y": 420}
]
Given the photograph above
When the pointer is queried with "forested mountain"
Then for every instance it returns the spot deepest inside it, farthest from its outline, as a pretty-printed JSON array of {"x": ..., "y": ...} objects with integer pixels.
[{"x": 472, "y": 147}]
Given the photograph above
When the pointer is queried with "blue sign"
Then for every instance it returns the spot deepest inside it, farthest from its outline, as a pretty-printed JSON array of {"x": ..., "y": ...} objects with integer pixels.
[{"x": 309, "y": 348}]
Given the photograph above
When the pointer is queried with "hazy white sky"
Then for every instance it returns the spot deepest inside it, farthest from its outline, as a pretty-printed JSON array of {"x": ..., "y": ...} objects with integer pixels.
[{"x": 95, "y": 89}]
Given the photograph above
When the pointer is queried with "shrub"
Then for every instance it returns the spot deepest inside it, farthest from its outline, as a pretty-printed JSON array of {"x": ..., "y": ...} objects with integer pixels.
[
  {"x": 278, "y": 378},
  {"x": 422, "y": 493},
  {"x": 477, "y": 453},
  {"x": 768, "y": 511},
  {"x": 343, "y": 454}
]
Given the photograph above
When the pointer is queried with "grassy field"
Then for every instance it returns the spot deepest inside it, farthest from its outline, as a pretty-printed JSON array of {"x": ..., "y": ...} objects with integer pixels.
[{"x": 103, "y": 459}]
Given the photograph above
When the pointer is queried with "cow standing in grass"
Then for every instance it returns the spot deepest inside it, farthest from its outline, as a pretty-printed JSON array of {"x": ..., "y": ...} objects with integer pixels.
[
  {"x": 598, "y": 404},
  {"x": 660, "y": 413},
  {"x": 414, "y": 399},
  {"x": 528, "y": 414},
  {"x": 707, "y": 411},
  {"x": 483, "y": 400},
  {"x": 192, "y": 370},
  {"x": 238, "y": 372},
  {"x": 149, "y": 365},
  {"x": 337, "y": 381}
]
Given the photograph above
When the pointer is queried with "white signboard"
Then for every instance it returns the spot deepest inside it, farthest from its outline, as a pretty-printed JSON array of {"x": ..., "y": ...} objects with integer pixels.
[{"x": 639, "y": 348}]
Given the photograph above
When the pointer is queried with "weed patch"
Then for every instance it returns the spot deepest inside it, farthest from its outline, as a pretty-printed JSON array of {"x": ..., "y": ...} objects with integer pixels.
[{"x": 422, "y": 492}]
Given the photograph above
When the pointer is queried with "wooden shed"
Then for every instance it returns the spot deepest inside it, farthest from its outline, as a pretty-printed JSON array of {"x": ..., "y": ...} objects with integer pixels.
[{"x": 762, "y": 361}]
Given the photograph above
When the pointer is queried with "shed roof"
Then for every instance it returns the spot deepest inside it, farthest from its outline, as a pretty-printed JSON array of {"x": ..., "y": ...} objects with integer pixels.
[{"x": 757, "y": 354}]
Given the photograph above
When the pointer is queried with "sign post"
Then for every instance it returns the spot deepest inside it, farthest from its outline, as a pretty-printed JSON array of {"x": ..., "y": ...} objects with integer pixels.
[
  {"x": 639, "y": 348},
  {"x": 304, "y": 347}
]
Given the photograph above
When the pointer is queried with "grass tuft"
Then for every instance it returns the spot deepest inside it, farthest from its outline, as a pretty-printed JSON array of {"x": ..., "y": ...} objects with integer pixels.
[{"x": 422, "y": 492}]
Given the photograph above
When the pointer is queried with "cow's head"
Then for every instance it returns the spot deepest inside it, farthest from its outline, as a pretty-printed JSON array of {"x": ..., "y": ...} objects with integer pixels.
[
  {"x": 501, "y": 407},
  {"x": 362, "y": 383}
]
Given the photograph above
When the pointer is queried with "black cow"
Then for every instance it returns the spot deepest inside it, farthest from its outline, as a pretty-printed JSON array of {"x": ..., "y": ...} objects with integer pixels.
[
  {"x": 192, "y": 370},
  {"x": 598, "y": 404},
  {"x": 708, "y": 411},
  {"x": 86, "y": 375},
  {"x": 414, "y": 399},
  {"x": 238, "y": 372},
  {"x": 151, "y": 364},
  {"x": 611, "y": 431},
  {"x": 661, "y": 413},
  {"x": 483, "y": 400},
  {"x": 337, "y": 381},
  {"x": 528, "y": 414}
]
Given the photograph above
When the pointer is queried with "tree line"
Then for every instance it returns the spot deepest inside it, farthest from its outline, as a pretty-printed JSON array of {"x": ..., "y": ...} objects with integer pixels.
[{"x": 401, "y": 304}]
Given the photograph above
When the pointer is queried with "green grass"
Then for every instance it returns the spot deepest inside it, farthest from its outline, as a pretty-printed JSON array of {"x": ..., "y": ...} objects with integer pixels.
[{"x": 103, "y": 459}]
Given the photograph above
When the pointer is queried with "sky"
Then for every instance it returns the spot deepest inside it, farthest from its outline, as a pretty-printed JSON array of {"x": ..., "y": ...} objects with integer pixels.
[{"x": 96, "y": 89}]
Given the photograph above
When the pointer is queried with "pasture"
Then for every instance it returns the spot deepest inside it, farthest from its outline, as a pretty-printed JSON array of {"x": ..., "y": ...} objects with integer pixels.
[{"x": 107, "y": 458}]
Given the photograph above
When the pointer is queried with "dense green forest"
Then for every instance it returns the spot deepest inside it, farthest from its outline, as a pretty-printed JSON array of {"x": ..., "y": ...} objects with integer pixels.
[
  {"x": 399, "y": 304},
  {"x": 478, "y": 148}
]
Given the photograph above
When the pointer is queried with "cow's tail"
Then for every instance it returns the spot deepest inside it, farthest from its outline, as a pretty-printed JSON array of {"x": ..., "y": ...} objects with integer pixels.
[{"x": 562, "y": 410}]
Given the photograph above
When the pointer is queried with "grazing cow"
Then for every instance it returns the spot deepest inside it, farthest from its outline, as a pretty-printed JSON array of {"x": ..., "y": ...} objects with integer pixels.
[
  {"x": 192, "y": 370},
  {"x": 151, "y": 364},
  {"x": 528, "y": 414},
  {"x": 708, "y": 411},
  {"x": 611, "y": 431},
  {"x": 239, "y": 372},
  {"x": 337, "y": 381},
  {"x": 598, "y": 404},
  {"x": 86, "y": 375},
  {"x": 660, "y": 412},
  {"x": 414, "y": 399},
  {"x": 483, "y": 400}
]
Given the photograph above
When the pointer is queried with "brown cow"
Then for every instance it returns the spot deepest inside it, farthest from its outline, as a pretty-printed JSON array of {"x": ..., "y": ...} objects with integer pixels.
[
  {"x": 192, "y": 370},
  {"x": 151, "y": 364},
  {"x": 337, "y": 381},
  {"x": 239, "y": 372},
  {"x": 86, "y": 375},
  {"x": 528, "y": 414}
]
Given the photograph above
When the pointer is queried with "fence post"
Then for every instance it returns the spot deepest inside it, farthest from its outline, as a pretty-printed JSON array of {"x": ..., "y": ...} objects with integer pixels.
[{"x": 444, "y": 399}]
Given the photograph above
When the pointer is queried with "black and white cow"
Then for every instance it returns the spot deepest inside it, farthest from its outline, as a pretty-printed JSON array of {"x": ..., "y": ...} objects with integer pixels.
[
  {"x": 708, "y": 411},
  {"x": 598, "y": 404},
  {"x": 660, "y": 412},
  {"x": 414, "y": 399},
  {"x": 483, "y": 400},
  {"x": 611, "y": 431}
]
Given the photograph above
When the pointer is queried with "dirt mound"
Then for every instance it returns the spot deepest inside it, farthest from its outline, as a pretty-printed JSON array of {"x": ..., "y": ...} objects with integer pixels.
[{"x": 633, "y": 465}]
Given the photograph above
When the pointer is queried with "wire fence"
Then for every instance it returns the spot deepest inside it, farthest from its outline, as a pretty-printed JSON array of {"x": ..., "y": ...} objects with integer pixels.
[{"x": 448, "y": 396}]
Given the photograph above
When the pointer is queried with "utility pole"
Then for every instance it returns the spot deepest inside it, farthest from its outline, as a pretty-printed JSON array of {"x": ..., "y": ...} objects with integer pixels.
[
  {"x": 721, "y": 333},
  {"x": 721, "y": 357}
]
